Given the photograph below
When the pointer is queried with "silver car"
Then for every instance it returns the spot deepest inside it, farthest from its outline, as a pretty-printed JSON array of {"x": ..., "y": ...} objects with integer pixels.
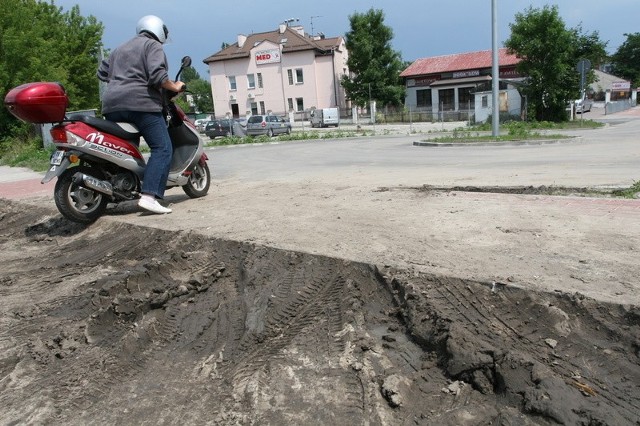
[
  {"x": 267, "y": 125},
  {"x": 583, "y": 105}
]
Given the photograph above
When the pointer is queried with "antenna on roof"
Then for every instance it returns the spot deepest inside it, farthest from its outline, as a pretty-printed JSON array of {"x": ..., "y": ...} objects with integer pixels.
[{"x": 317, "y": 16}]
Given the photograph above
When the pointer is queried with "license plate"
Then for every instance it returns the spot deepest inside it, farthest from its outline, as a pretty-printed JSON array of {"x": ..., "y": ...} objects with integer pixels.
[{"x": 57, "y": 157}]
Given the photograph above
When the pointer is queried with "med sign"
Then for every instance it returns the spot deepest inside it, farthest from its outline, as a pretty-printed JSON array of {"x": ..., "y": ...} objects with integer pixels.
[{"x": 267, "y": 56}]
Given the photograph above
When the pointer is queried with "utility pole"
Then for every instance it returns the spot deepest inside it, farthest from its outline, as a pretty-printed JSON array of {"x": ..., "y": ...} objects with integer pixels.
[{"x": 495, "y": 71}]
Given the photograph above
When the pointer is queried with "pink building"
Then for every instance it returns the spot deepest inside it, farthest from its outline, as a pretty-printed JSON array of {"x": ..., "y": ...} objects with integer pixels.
[{"x": 278, "y": 72}]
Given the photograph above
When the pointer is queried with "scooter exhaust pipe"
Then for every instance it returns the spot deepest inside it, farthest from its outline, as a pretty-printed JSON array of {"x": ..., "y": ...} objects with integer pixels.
[{"x": 93, "y": 183}]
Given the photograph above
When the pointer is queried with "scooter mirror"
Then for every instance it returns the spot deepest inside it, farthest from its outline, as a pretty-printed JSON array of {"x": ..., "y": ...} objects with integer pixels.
[{"x": 186, "y": 62}]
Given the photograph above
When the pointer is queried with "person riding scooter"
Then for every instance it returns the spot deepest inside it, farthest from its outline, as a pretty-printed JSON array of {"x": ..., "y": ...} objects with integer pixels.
[{"x": 135, "y": 73}]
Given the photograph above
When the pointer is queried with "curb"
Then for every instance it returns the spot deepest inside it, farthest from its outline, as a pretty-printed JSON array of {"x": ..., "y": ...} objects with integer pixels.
[{"x": 505, "y": 143}]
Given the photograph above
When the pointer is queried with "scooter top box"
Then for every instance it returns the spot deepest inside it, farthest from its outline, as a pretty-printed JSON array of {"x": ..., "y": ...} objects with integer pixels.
[{"x": 41, "y": 102}]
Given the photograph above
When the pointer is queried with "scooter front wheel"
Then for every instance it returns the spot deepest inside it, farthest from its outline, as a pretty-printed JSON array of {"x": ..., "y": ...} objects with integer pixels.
[
  {"x": 75, "y": 202},
  {"x": 199, "y": 181}
]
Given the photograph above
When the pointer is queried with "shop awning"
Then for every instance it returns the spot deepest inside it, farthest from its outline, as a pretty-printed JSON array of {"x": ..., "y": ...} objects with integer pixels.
[{"x": 457, "y": 81}]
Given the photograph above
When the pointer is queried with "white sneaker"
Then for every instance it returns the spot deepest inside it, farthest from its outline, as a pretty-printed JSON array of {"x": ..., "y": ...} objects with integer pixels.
[{"x": 152, "y": 206}]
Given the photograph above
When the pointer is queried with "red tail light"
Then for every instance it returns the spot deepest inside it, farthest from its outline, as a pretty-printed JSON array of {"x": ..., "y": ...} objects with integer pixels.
[
  {"x": 263, "y": 124},
  {"x": 59, "y": 134}
]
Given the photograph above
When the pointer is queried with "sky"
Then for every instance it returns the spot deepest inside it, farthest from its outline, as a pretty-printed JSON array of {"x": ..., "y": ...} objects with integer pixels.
[{"x": 421, "y": 28}]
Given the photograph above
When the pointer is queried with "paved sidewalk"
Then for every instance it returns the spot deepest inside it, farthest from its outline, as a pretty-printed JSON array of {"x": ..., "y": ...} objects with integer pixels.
[{"x": 18, "y": 183}]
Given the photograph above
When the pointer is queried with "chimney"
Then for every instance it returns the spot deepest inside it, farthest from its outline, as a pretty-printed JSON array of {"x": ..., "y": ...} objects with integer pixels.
[
  {"x": 282, "y": 28},
  {"x": 241, "y": 39},
  {"x": 299, "y": 29}
]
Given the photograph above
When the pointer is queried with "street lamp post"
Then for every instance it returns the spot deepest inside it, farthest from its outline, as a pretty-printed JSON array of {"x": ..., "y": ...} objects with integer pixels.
[{"x": 495, "y": 71}]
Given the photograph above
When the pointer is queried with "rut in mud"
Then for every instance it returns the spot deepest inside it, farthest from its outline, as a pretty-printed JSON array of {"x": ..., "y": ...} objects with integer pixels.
[
  {"x": 117, "y": 324},
  {"x": 528, "y": 190}
]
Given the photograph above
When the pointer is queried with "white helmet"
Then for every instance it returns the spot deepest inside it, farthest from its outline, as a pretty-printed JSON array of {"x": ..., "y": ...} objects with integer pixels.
[{"x": 153, "y": 25}]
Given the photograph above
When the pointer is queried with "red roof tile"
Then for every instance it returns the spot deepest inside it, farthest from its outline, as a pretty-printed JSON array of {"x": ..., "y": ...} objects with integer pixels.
[{"x": 458, "y": 62}]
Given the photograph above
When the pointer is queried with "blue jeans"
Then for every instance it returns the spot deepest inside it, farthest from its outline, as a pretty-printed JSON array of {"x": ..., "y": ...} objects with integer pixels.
[{"x": 153, "y": 128}]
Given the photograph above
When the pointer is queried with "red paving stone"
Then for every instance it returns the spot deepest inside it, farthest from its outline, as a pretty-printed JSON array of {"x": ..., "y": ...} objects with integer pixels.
[{"x": 24, "y": 189}]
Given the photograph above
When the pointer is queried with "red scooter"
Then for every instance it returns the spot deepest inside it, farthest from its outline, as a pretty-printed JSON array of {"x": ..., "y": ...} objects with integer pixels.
[{"x": 97, "y": 161}]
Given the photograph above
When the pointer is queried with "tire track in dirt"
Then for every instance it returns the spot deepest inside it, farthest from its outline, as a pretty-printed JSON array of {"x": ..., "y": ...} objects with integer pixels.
[
  {"x": 155, "y": 326},
  {"x": 511, "y": 327}
]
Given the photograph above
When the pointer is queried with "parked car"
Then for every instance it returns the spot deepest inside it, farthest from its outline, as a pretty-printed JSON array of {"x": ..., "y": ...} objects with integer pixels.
[
  {"x": 267, "y": 125},
  {"x": 583, "y": 105},
  {"x": 200, "y": 124},
  {"x": 217, "y": 128}
]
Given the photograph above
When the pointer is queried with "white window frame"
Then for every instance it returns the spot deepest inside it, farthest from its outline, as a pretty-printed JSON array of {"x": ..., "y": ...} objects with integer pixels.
[
  {"x": 233, "y": 86},
  {"x": 251, "y": 81},
  {"x": 295, "y": 75}
]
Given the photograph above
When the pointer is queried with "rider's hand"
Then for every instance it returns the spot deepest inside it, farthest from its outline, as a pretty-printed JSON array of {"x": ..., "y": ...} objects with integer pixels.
[{"x": 174, "y": 86}]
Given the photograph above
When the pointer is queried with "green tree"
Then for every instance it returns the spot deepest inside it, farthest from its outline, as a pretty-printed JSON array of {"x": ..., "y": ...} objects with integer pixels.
[
  {"x": 374, "y": 65},
  {"x": 189, "y": 74},
  {"x": 549, "y": 53},
  {"x": 40, "y": 42},
  {"x": 80, "y": 47},
  {"x": 626, "y": 60},
  {"x": 199, "y": 89}
]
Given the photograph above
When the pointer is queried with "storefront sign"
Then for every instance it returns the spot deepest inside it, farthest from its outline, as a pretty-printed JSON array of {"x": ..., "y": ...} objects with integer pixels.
[
  {"x": 463, "y": 74},
  {"x": 620, "y": 85},
  {"x": 270, "y": 56},
  {"x": 509, "y": 73},
  {"x": 424, "y": 81}
]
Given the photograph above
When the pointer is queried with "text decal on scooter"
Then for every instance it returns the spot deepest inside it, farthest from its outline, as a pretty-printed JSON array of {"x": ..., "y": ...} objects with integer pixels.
[
  {"x": 99, "y": 139},
  {"x": 95, "y": 137},
  {"x": 106, "y": 150}
]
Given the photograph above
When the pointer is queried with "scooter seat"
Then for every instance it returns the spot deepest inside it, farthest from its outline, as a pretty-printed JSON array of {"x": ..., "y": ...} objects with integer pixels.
[{"x": 107, "y": 126}]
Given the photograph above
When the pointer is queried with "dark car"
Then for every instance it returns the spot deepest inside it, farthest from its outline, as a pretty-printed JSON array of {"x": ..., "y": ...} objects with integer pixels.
[
  {"x": 267, "y": 125},
  {"x": 217, "y": 128}
]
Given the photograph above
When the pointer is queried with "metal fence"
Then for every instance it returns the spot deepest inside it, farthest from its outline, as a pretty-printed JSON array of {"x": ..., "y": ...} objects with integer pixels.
[
  {"x": 397, "y": 115},
  {"x": 617, "y": 106}
]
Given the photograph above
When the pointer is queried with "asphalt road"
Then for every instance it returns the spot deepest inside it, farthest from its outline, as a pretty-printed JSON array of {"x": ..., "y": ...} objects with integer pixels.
[{"x": 607, "y": 156}]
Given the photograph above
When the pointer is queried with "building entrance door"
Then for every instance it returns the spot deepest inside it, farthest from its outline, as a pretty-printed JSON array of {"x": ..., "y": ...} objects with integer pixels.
[{"x": 235, "y": 111}]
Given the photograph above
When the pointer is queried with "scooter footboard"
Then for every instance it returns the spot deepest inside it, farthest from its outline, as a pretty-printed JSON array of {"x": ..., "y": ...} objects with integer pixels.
[
  {"x": 185, "y": 147},
  {"x": 183, "y": 136}
]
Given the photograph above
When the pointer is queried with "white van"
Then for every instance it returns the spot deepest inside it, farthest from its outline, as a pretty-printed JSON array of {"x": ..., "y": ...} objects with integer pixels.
[{"x": 325, "y": 117}]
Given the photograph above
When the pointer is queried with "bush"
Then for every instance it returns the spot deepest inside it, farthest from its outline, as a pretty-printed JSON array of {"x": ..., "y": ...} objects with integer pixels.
[{"x": 25, "y": 151}]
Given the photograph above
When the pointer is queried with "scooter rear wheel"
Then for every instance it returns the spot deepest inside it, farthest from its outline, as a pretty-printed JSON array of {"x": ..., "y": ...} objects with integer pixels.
[
  {"x": 75, "y": 202},
  {"x": 199, "y": 181}
]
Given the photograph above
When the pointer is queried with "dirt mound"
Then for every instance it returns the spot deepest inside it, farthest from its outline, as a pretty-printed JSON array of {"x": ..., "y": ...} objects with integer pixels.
[{"x": 115, "y": 323}]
